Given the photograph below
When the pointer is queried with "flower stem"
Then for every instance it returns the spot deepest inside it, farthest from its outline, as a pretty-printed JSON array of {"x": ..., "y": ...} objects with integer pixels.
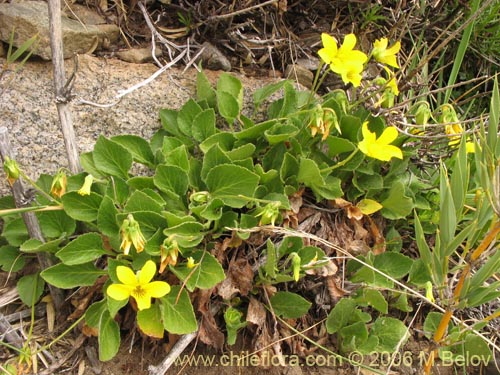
[{"x": 340, "y": 163}]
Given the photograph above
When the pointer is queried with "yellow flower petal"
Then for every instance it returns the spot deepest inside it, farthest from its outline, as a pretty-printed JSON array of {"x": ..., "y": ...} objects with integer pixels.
[
  {"x": 157, "y": 289},
  {"x": 143, "y": 301},
  {"x": 470, "y": 148},
  {"x": 147, "y": 272},
  {"x": 379, "y": 148},
  {"x": 349, "y": 42},
  {"x": 119, "y": 292},
  {"x": 126, "y": 275},
  {"x": 389, "y": 135}
]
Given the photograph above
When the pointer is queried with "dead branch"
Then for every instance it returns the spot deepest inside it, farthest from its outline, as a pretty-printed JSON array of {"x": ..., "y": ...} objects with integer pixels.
[
  {"x": 62, "y": 96},
  {"x": 176, "y": 351}
]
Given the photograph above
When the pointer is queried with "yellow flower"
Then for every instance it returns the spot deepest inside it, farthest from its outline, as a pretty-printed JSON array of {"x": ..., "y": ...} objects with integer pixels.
[
  {"x": 131, "y": 234},
  {"x": 386, "y": 55},
  {"x": 345, "y": 60},
  {"x": 380, "y": 148},
  {"x": 58, "y": 187},
  {"x": 87, "y": 185},
  {"x": 138, "y": 286}
]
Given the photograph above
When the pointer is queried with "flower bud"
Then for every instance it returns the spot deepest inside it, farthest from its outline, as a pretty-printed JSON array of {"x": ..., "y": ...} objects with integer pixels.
[
  {"x": 200, "y": 197},
  {"x": 11, "y": 170},
  {"x": 131, "y": 235},
  {"x": 269, "y": 213},
  {"x": 87, "y": 184},
  {"x": 58, "y": 187},
  {"x": 169, "y": 253},
  {"x": 296, "y": 266},
  {"x": 422, "y": 113}
]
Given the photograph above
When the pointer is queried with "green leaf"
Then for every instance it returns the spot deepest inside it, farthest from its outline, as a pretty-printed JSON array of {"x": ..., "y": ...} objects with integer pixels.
[
  {"x": 106, "y": 218},
  {"x": 204, "y": 125},
  {"x": 56, "y": 223},
  {"x": 111, "y": 158},
  {"x": 395, "y": 265},
  {"x": 88, "y": 165},
  {"x": 138, "y": 147},
  {"x": 231, "y": 182},
  {"x": 94, "y": 312},
  {"x": 204, "y": 90},
  {"x": 390, "y": 333},
  {"x": 401, "y": 303},
  {"x": 109, "y": 337},
  {"x": 280, "y": 133},
  {"x": 396, "y": 205},
  {"x": 490, "y": 267},
  {"x": 177, "y": 157},
  {"x": 213, "y": 157},
  {"x": 186, "y": 116},
  {"x": 149, "y": 321},
  {"x": 168, "y": 118},
  {"x": 83, "y": 208},
  {"x": 230, "y": 84},
  {"x": 228, "y": 106},
  {"x": 263, "y": 93},
  {"x": 476, "y": 347},
  {"x": 177, "y": 312},
  {"x": 337, "y": 145},
  {"x": 169, "y": 178},
  {"x": 340, "y": 315},
  {"x": 309, "y": 173},
  {"x": 66, "y": 277},
  {"x": 290, "y": 100},
  {"x": 30, "y": 288},
  {"x": 254, "y": 132},
  {"x": 187, "y": 234},
  {"x": 84, "y": 248},
  {"x": 431, "y": 323},
  {"x": 15, "y": 232},
  {"x": 139, "y": 201},
  {"x": 11, "y": 259},
  {"x": 289, "y": 305},
  {"x": 35, "y": 246},
  {"x": 225, "y": 140},
  {"x": 494, "y": 120},
  {"x": 447, "y": 212},
  {"x": 205, "y": 275},
  {"x": 375, "y": 299},
  {"x": 353, "y": 336},
  {"x": 419, "y": 273},
  {"x": 241, "y": 153}
]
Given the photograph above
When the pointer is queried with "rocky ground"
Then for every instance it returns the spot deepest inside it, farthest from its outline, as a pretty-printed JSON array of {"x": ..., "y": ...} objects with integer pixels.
[{"x": 29, "y": 111}]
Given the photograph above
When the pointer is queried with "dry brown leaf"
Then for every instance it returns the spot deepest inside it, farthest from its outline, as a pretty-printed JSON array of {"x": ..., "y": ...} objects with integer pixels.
[
  {"x": 334, "y": 290},
  {"x": 379, "y": 239},
  {"x": 256, "y": 313},
  {"x": 209, "y": 333}
]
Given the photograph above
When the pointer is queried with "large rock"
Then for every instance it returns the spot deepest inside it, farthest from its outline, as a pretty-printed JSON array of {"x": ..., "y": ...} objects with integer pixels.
[{"x": 28, "y": 18}]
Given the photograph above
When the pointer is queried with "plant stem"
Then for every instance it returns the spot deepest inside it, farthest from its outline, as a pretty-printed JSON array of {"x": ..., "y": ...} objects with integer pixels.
[{"x": 340, "y": 163}]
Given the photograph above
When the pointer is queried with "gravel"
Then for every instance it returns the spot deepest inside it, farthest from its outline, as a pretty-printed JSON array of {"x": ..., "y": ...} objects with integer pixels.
[{"x": 29, "y": 112}]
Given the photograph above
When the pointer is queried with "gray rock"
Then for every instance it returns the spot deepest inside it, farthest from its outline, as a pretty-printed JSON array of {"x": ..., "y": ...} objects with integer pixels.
[
  {"x": 32, "y": 17},
  {"x": 300, "y": 74},
  {"x": 30, "y": 113},
  {"x": 214, "y": 59},
  {"x": 138, "y": 55}
]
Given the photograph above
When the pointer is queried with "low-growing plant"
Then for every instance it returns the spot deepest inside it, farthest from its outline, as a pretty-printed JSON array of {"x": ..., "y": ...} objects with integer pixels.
[{"x": 148, "y": 241}]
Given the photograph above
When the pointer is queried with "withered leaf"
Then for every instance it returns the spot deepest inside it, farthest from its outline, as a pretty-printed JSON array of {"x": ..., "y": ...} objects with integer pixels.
[{"x": 256, "y": 313}]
